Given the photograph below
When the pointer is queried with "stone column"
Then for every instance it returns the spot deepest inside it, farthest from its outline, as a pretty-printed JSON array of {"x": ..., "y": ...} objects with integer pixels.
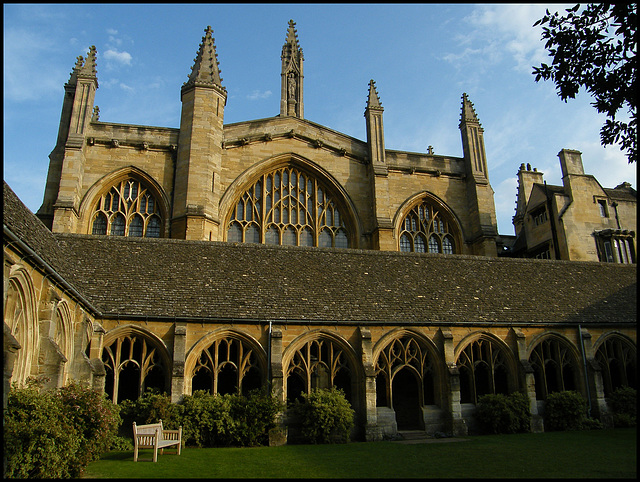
[
  {"x": 372, "y": 431},
  {"x": 276, "y": 375},
  {"x": 179, "y": 356},
  {"x": 527, "y": 379},
  {"x": 456, "y": 424}
]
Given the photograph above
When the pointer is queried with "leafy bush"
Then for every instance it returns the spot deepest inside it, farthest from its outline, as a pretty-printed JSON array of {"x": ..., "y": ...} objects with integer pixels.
[
  {"x": 255, "y": 415},
  {"x": 55, "y": 434},
  {"x": 565, "y": 411},
  {"x": 207, "y": 420},
  {"x": 623, "y": 404},
  {"x": 325, "y": 415},
  {"x": 504, "y": 413},
  {"x": 95, "y": 418},
  {"x": 151, "y": 407},
  {"x": 39, "y": 440}
]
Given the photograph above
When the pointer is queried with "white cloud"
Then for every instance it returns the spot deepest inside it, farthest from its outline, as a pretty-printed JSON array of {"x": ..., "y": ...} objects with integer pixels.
[
  {"x": 126, "y": 87},
  {"x": 120, "y": 57},
  {"x": 256, "y": 94}
]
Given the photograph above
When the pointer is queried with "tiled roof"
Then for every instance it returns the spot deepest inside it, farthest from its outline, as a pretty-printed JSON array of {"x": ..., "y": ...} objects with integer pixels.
[{"x": 200, "y": 280}]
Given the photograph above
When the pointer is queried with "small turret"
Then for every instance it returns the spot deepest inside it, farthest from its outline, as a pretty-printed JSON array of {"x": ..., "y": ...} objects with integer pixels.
[
  {"x": 291, "y": 92},
  {"x": 473, "y": 141},
  {"x": 197, "y": 187}
]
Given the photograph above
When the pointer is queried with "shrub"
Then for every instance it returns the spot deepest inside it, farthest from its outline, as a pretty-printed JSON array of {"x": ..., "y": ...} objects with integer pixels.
[
  {"x": 40, "y": 441},
  {"x": 504, "y": 413},
  {"x": 255, "y": 415},
  {"x": 565, "y": 411},
  {"x": 151, "y": 407},
  {"x": 325, "y": 416},
  {"x": 623, "y": 404},
  {"x": 95, "y": 419},
  {"x": 207, "y": 420}
]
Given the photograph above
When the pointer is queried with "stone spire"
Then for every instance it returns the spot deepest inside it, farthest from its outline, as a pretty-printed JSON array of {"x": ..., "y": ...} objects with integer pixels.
[
  {"x": 373, "y": 100},
  {"x": 468, "y": 111},
  {"x": 473, "y": 141},
  {"x": 206, "y": 71},
  {"x": 291, "y": 92}
]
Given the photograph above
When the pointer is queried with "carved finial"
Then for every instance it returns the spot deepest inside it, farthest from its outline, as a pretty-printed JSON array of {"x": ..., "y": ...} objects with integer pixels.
[
  {"x": 206, "y": 68},
  {"x": 96, "y": 114},
  {"x": 468, "y": 112},
  {"x": 89, "y": 67},
  {"x": 430, "y": 150},
  {"x": 373, "y": 100}
]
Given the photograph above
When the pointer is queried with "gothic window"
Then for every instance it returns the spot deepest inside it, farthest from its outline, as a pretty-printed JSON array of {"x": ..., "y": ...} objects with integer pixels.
[
  {"x": 554, "y": 367},
  {"x": 127, "y": 209},
  {"x": 427, "y": 228},
  {"x": 133, "y": 364},
  {"x": 615, "y": 246},
  {"x": 289, "y": 207},
  {"x": 399, "y": 354},
  {"x": 17, "y": 314},
  {"x": 617, "y": 359},
  {"x": 228, "y": 365},
  {"x": 318, "y": 364},
  {"x": 483, "y": 370}
]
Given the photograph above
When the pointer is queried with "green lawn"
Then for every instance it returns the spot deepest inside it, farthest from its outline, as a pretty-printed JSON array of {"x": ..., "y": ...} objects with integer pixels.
[{"x": 586, "y": 454}]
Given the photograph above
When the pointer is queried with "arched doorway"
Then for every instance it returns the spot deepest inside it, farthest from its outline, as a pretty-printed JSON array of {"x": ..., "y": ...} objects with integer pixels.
[{"x": 405, "y": 395}]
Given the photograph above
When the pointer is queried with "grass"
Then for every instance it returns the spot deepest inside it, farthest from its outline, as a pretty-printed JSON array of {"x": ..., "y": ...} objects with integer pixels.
[{"x": 585, "y": 454}]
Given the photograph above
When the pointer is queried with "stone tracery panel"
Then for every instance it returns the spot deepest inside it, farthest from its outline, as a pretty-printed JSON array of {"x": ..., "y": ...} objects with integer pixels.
[
  {"x": 555, "y": 366},
  {"x": 484, "y": 369},
  {"x": 228, "y": 365},
  {"x": 617, "y": 358},
  {"x": 289, "y": 206}
]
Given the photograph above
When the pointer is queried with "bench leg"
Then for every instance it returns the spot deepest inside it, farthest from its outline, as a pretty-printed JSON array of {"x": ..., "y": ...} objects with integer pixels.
[
  {"x": 155, "y": 454},
  {"x": 135, "y": 454}
]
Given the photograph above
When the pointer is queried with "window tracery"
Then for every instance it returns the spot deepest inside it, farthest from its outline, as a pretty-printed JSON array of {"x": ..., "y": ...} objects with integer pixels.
[
  {"x": 401, "y": 353},
  {"x": 289, "y": 207},
  {"x": 483, "y": 370},
  {"x": 127, "y": 209},
  {"x": 618, "y": 361},
  {"x": 427, "y": 227},
  {"x": 228, "y": 365},
  {"x": 133, "y": 365},
  {"x": 318, "y": 364},
  {"x": 554, "y": 367}
]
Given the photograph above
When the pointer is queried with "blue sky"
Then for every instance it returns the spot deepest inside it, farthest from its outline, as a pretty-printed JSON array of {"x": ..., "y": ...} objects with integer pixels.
[{"x": 423, "y": 57}]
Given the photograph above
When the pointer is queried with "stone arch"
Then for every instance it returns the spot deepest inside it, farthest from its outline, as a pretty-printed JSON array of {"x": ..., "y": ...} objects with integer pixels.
[
  {"x": 322, "y": 359},
  {"x": 105, "y": 183},
  {"x": 250, "y": 362},
  {"x": 556, "y": 364},
  {"x": 64, "y": 335},
  {"x": 432, "y": 393},
  {"x": 20, "y": 317},
  {"x": 409, "y": 377},
  {"x": 486, "y": 364},
  {"x": 135, "y": 359},
  {"x": 617, "y": 356},
  {"x": 245, "y": 181},
  {"x": 440, "y": 225}
]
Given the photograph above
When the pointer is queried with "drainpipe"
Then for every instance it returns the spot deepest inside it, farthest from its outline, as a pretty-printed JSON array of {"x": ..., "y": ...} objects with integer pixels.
[
  {"x": 269, "y": 359},
  {"x": 586, "y": 375}
]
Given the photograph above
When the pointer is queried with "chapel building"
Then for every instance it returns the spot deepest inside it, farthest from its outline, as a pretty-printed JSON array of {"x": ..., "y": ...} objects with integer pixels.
[{"x": 280, "y": 253}]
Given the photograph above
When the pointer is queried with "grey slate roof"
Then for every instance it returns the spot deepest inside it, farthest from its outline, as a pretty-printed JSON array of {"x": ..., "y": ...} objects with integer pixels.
[{"x": 199, "y": 280}]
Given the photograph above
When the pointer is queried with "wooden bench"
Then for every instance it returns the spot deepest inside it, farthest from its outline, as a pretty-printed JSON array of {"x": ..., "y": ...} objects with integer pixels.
[{"x": 153, "y": 436}]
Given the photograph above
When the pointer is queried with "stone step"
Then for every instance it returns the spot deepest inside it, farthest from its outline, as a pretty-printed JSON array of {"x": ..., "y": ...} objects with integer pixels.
[{"x": 413, "y": 434}]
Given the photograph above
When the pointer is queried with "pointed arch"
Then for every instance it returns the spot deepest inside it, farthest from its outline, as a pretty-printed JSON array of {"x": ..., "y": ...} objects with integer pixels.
[
  {"x": 20, "y": 317},
  {"x": 135, "y": 359},
  {"x": 556, "y": 364},
  {"x": 63, "y": 335},
  {"x": 425, "y": 223},
  {"x": 225, "y": 361},
  {"x": 321, "y": 359},
  {"x": 487, "y": 366},
  {"x": 290, "y": 198},
  {"x": 618, "y": 359},
  {"x": 146, "y": 213},
  {"x": 405, "y": 349}
]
